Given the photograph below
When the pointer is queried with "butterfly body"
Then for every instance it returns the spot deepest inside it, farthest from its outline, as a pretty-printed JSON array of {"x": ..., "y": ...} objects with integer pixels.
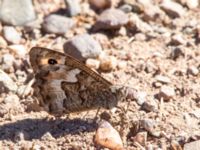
[{"x": 63, "y": 84}]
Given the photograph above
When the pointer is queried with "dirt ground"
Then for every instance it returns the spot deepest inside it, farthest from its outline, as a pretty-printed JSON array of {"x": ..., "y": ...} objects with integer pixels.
[{"x": 160, "y": 59}]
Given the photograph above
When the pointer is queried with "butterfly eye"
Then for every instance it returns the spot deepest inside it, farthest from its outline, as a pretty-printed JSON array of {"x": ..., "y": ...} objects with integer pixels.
[{"x": 52, "y": 61}]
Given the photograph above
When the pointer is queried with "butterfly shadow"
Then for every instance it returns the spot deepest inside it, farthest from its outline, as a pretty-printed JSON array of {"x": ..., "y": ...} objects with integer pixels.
[{"x": 37, "y": 128}]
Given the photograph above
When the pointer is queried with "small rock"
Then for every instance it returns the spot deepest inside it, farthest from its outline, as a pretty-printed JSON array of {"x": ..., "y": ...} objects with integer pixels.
[
  {"x": 12, "y": 99},
  {"x": 192, "y": 3},
  {"x": 108, "y": 137},
  {"x": 7, "y": 82},
  {"x": 172, "y": 8},
  {"x": 3, "y": 42},
  {"x": 111, "y": 19},
  {"x": 140, "y": 97},
  {"x": 73, "y": 7},
  {"x": 140, "y": 37},
  {"x": 21, "y": 136},
  {"x": 92, "y": 63},
  {"x": 193, "y": 70},
  {"x": 192, "y": 145},
  {"x": 47, "y": 137},
  {"x": 16, "y": 12},
  {"x": 177, "y": 39},
  {"x": 141, "y": 138},
  {"x": 11, "y": 35},
  {"x": 83, "y": 47},
  {"x": 100, "y": 4},
  {"x": 20, "y": 50},
  {"x": 148, "y": 124},
  {"x": 195, "y": 113},
  {"x": 24, "y": 90},
  {"x": 138, "y": 24},
  {"x": 3, "y": 110},
  {"x": 150, "y": 106},
  {"x": 176, "y": 53},
  {"x": 107, "y": 63},
  {"x": 126, "y": 8},
  {"x": 57, "y": 24},
  {"x": 162, "y": 79},
  {"x": 166, "y": 93},
  {"x": 122, "y": 64},
  {"x": 7, "y": 61}
]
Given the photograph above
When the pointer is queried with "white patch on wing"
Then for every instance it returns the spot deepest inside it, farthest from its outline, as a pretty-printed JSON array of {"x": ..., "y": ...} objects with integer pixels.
[{"x": 71, "y": 75}]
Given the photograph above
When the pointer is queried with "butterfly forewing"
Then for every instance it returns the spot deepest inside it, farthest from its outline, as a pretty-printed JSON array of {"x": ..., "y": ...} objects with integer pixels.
[{"x": 63, "y": 84}]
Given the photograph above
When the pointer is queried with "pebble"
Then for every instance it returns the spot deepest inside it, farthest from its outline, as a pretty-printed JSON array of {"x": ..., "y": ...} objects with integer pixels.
[
  {"x": 150, "y": 106},
  {"x": 162, "y": 79},
  {"x": 172, "y": 8},
  {"x": 92, "y": 63},
  {"x": 82, "y": 47},
  {"x": 19, "y": 50},
  {"x": 138, "y": 24},
  {"x": 47, "y": 137},
  {"x": 3, "y": 42},
  {"x": 7, "y": 61},
  {"x": 176, "y": 52},
  {"x": 141, "y": 138},
  {"x": 108, "y": 137},
  {"x": 57, "y": 24},
  {"x": 122, "y": 64},
  {"x": 193, "y": 70},
  {"x": 111, "y": 19},
  {"x": 12, "y": 99},
  {"x": 7, "y": 82},
  {"x": 192, "y": 3},
  {"x": 100, "y": 4},
  {"x": 107, "y": 63},
  {"x": 21, "y": 136},
  {"x": 166, "y": 93},
  {"x": 11, "y": 35},
  {"x": 126, "y": 8},
  {"x": 178, "y": 39},
  {"x": 17, "y": 12},
  {"x": 148, "y": 124},
  {"x": 140, "y": 97},
  {"x": 73, "y": 7},
  {"x": 192, "y": 145}
]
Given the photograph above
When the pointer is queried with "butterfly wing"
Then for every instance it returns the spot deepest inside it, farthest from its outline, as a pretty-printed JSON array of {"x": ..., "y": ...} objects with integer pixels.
[{"x": 65, "y": 84}]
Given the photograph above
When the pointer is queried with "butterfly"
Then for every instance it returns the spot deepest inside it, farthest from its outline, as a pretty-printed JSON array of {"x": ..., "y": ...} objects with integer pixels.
[{"x": 63, "y": 84}]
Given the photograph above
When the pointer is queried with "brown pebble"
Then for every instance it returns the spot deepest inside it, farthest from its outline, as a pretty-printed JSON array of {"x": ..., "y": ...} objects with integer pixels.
[{"x": 108, "y": 137}]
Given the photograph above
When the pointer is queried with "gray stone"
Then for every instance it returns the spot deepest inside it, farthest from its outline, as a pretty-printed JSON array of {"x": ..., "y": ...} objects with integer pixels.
[
  {"x": 11, "y": 35},
  {"x": 162, "y": 79},
  {"x": 111, "y": 19},
  {"x": 7, "y": 82},
  {"x": 17, "y": 12},
  {"x": 100, "y": 4},
  {"x": 140, "y": 97},
  {"x": 83, "y": 47},
  {"x": 173, "y": 9},
  {"x": 192, "y": 3},
  {"x": 192, "y": 145},
  {"x": 73, "y": 7},
  {"x": 7, "y": 61},
  {"x": 150, "y": 106},
  {"x": 166, "y": 93},
  {"x": 12, "y": 99},
  {"x": 193, "y": 70},
  {"x": 57, "y": 24},
  {"x": 126, "y": 8}
]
